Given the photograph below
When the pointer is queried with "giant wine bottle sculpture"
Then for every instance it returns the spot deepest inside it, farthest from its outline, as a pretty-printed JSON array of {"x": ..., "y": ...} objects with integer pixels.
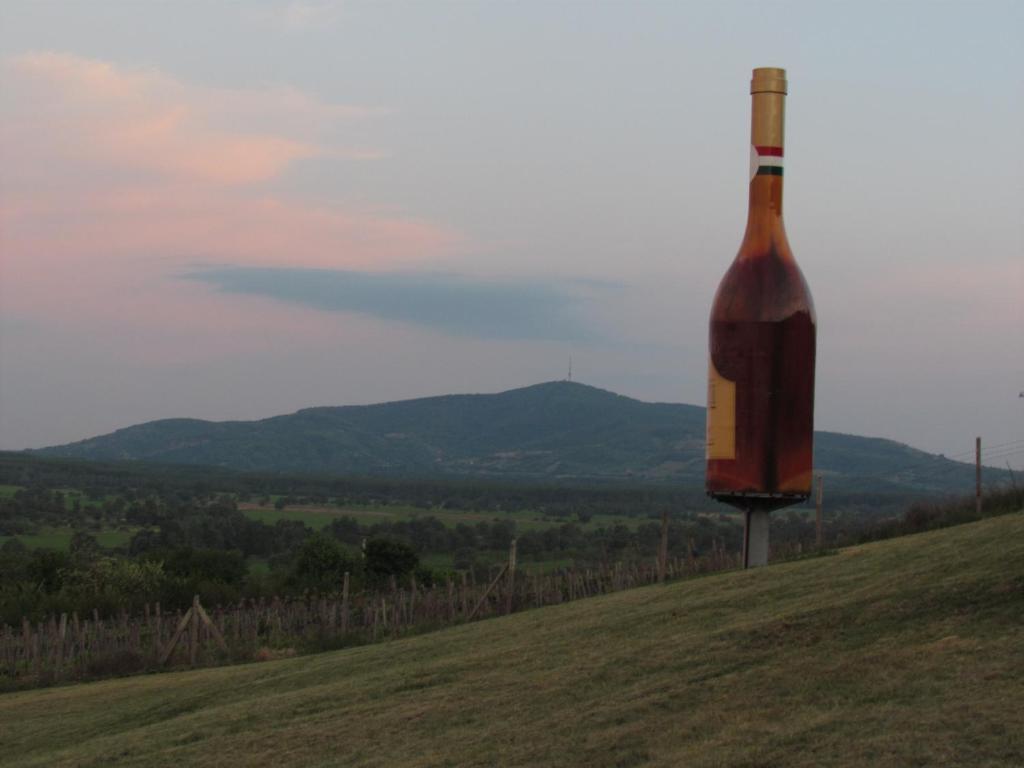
[{"x": 762, "y": 340}]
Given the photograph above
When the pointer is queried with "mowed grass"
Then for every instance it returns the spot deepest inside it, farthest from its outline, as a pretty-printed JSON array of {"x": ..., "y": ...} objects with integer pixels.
[
  {"x": 318, "y": 517},
  {"x": 900, "y": 653}
]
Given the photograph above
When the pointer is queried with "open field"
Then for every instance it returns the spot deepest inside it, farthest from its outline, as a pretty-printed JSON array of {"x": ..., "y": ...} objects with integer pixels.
[
  {"x": 904, "y": 652},
  {"x": 70, "y": 496},
  {"x": 318, "y": 516},
  {"x": 60, "y": 538}
]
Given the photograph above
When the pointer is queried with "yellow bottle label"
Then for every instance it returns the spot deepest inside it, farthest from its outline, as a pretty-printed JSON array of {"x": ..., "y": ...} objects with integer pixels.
[{"x": 721, "y": 439}]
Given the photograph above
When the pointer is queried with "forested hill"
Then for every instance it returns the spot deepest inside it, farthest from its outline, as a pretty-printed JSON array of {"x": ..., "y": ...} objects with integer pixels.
[{"x": 552, "y": 431}]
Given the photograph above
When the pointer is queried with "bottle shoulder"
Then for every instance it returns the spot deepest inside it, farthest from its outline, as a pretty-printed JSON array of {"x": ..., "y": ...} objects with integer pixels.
[{"x": 762, "y": 285}]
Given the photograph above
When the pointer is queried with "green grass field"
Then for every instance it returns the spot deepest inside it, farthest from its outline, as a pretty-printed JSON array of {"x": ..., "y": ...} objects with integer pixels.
[
  {"x": 901, "y": 653},
  {"x": 60, "y": 538},
  {"x": 318, "y": 517},
  {"x": 70, "y": 495},
  {"x": 73, "y": 494}
]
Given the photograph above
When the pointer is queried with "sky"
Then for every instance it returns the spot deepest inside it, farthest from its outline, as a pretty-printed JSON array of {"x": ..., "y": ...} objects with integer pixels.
[{"x": 236, "y": 210}]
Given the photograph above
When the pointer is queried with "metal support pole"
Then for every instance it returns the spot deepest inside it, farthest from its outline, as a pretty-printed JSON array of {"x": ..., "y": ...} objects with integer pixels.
[
  {"x": 746, "y": 539},
  {"x": 755, "y": 538}
]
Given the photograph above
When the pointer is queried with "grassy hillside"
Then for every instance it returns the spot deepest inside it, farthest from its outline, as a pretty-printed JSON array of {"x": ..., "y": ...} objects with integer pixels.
[
  {"x": 554, "y": 431},
  {"x": 905, "y": 652}
]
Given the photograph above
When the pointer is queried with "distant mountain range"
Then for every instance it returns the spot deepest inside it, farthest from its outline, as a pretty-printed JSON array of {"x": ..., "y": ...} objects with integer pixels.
[{"x": 555, "y": 431}]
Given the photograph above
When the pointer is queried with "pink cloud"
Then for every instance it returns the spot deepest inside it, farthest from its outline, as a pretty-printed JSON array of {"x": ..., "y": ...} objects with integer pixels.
[
  {"x": 123, "y": 179},
  {"x": 144, "y": 120}
]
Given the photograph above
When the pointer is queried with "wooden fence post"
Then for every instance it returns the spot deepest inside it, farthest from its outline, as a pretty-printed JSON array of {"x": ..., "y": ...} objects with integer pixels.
[
  {"x": 37, "y": 651},
  {"x": 61, "y": 634},
  {"x": 344, "y": 604},
  {"x": 663, "y": 547},
  {"x": 819, "y": 519},
  {"x": 511, "y": 576},
  {"x": 977, "y": 476},
  {"x": 214, "y": 630},
  {"x": 487, "y": 591},
  {"x": 156, "y": 630},
  {"x": 79, "y": 641},
  {"x": 175, "y": 637},
  {"x": 193, "y": 632},
  {"x": 26, "y": 641}
]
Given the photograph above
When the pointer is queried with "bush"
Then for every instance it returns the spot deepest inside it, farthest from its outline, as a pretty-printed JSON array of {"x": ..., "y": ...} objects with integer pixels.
[
  {"x": 321, "y": 565},
  {"x": 226, "y": 566},
  {"x": 386, "y": 558},
  {"x": 47, "y": 569}
]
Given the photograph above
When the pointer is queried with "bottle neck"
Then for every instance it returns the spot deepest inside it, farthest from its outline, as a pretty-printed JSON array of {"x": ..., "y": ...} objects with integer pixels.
[{"x": 767, "y": 127}]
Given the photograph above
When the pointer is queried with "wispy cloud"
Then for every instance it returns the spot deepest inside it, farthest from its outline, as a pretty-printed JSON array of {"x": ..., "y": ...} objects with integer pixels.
[
  {"x": 454, "y": 304},
  {"x": 118, "y": 175},
  {"x": 299, "y": 15},
  {"x": 145, "y": 120}
]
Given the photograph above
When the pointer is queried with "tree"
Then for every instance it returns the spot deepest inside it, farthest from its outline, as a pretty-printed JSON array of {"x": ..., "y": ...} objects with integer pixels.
[
  {"x": 386, "y": 558},
  {"x": 121, "y": 581},
  {"x": 321, "y": 565},
  {"x": 83, "y": 546},
  {"x": 46, "y": 568}
]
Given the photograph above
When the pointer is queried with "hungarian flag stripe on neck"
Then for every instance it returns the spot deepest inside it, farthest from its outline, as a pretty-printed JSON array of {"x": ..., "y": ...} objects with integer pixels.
[{"x": 766, "y": 161}]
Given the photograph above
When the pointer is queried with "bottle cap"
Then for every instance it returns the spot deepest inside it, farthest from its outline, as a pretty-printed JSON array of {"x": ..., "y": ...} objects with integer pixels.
[{"x": 768, "y": 80}]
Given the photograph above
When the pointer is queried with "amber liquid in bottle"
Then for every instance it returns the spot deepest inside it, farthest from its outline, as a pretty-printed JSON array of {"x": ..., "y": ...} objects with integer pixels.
[{"x": 762, "y": 340}]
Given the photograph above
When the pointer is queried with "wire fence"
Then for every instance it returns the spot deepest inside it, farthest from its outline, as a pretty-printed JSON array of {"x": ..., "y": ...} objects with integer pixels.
[{"x": 73, "y": 647}]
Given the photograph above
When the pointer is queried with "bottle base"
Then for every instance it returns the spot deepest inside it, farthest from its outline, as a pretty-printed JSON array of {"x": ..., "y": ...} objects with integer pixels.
[{"x": 759, "y": 502}]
